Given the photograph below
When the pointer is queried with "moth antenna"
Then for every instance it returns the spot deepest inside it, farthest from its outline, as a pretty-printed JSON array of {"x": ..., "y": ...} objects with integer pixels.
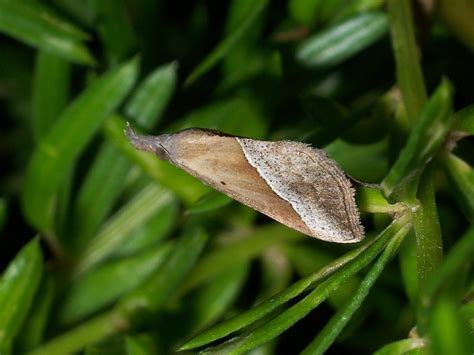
[{"x": 147, "y": 143}]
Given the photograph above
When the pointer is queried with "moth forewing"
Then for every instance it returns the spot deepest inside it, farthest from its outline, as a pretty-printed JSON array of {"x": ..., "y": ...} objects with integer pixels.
[{"x": 288, "y": 181}]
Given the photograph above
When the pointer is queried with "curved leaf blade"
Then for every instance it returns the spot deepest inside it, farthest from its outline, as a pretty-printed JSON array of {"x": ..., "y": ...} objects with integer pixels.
[
  {"x": 35, "y": 25},
  {"x": 343, "y": 40},
  {"x": 55, "y": 154},
  {"x": 17, "y": 290}
]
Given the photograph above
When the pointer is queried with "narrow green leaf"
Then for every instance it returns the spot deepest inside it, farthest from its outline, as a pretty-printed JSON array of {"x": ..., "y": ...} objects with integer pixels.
[
  {"x": 115, "y": 30},
  {"x": 85, "y": 298},
  {"x": 227, "y": 43},
  {"x": 141, "y": 208},
  {"x": 448, "y": 330},
  {"x": 50, "y": 91},
  {"x": 461, "y": 176},
  {"x": 210, "y": 303},
  {"x": 304, "y": 11},
  {"x": 464, "y": 120},
  {"x": 409, "y": 74},
  {"x": 429, "y": 245},
  {"x": 336, "y": 324},
  {"x": 426, "y": 137},
  {"x": 149, "y": 101},
  {"x": 33, "y": 332},
  {"x": 225, "y": 328},
  {"x": 210, "y": 201},
  {"x": 286, "y": 319},
  {"x": 305, "y": 260},
  {"x": 18, "y": 286},
  {"x": 459, "y": 256},
  {"x": 87, "y": 333},
  {"x": 104, "y": 182},
  {"x": 98, "y": 193},
  {"x": 150, "y": 296},
  {"x": 148, "y": 234},
  {"x": 240, "y": 251},
  {"x": 402, "y": 346},
  {"x": 58, "y": 150},
  {"x": 155, "y": 291},
  {"x": 277, "y": 272},
  {"x": 35, "y": 25},
  {"x": 140, "y": 345},
  {"x": 343, "y": 40}
]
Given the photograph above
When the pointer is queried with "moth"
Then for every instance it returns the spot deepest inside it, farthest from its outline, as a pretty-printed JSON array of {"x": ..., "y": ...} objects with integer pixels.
[{"x": 291, "y": 182}]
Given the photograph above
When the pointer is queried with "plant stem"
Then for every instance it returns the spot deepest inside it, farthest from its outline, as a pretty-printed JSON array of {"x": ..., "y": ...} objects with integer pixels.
[
  {"x": 429, "y": 243},
  {"x": 409, "y": 74}
]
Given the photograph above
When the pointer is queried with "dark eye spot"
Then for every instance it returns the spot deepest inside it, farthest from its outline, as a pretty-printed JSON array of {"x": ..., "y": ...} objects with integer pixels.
[{"x": 223, "y": 183}]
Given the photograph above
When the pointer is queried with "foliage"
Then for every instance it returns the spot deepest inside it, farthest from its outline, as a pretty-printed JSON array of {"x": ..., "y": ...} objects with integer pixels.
[{"x": 105, "y": 249}]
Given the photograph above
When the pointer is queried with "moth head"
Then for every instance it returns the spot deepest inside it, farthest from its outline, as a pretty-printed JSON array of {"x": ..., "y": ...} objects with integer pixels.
[{"x": 156, "y": 144}]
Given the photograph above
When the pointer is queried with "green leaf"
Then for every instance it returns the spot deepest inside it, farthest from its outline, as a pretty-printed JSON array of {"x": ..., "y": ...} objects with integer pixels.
[
  {"x": 367, "y": 162},
  {"x": 464, "y": 120},
  {"x": 287, "y": 318},
  {"x": 149, "y": 101},
  {"x": 305, "y": 260},
  {"x": 155, "y": 291},
  {"x": 458, "y": 258},
  {"x": 409, "y": 74},
  {"x": 102, "y": 186},
  {"x": 240, "y": 251},
  {"x": 304, "y": 11},
  {"x": 429, "y": 244},
  {"x": 139, "y": 345},
  {"x": 18, "y": 287},
  {"x": 336, "y": 324},
  {"x": 402, "y": 346},
  {"x": 85, "y": 297},
  {"x": 425, "y": 139},
  {"x": 461, "y": 176},
  {"x": 210, "y": 201},
  {"x": 448, "y": 330},
  {"x": 342, "y": 41},
  {"x": 87, "y": 333},
  {"x": 210, "y": 303},
  {"x": 33, "y": 332},
  {"x": 148, "y": 234},
  {"x": 104, "y": 181},
  {"x": 60, "y": 148},
  {"x": 35, "y": 25},
  {"x": 115, "y": 231},
  {"x": 150, "y": 296},
  {"x": 244, "y": 319},
  {"x": 115, "y": 30},
  {"x": 227, "y": 43},
  {"x": 50, "y": 92}
]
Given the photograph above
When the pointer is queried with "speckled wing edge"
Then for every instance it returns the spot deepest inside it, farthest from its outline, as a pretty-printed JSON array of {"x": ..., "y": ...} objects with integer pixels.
[{"x": 325, "y": 228}]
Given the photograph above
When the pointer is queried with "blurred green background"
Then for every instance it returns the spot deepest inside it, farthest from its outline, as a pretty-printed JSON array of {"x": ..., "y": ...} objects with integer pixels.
[{"x": 107, "y": 250}]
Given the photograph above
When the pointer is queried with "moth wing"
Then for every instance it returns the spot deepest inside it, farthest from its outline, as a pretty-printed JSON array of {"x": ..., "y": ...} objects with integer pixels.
[
  {"x": 312, "y": 183},
  {"x": 220, "y": 162}
]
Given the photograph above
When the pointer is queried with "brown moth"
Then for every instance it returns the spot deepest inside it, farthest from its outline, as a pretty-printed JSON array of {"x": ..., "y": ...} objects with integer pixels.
[{"x": 291, "y": 182}]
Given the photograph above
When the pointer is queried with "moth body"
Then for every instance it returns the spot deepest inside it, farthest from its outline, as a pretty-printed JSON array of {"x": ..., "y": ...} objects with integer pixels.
[{"x": 291, "y": 182}]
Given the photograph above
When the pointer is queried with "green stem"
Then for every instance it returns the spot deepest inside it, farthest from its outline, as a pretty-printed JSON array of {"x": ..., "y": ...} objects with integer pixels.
[
  {"x": 409, "y": 74},
  {"x": 429, "y": 243},
  {"x": 89, "y": 333}
]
